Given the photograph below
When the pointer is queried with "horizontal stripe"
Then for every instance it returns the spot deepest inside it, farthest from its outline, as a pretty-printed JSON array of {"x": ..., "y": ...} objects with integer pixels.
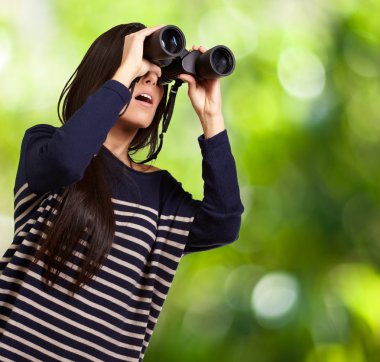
[
  {"x": 131, "y": 204},
  {"x": 177, "y": 218},
  {"x": 98, "y": 294},
  {"x": 137, "y": 227},
  {"x": 19, "y": 231},
  {"x": 21, "y": 189},
  {"x": 141, "y": 216},
  {"x": 119, "y": 306},
  {"x": 174, "y": 230},
  {"x": 106, "y": 270},
  {"x": 75, "y": 338},
  {"x": 27, "y": 342},
  {"x": 15, "y": 351},
  {"x": 23, "y": 201},
  {"x": 25, "y": 213},
  {"x": 130, "y": 252},
  {"x": 73, "y": 309}
]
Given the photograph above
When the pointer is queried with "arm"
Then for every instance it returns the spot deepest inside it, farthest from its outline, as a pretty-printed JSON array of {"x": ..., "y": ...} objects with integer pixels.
[
  {"x": 217, "y": 220},
  {"x": 56, "y": 157},
  {"x": 60, "y": 157}
]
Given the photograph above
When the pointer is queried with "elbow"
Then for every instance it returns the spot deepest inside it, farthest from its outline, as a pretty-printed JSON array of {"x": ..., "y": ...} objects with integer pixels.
[
  {"x": 230, "y": 228},
  {"x": 211, "y": 230},
  {"x": 41, "y": 179},
  {"x": 231, "y": 231},
  {"x": 70, "y": 169},
  {"x": 225, "y": 231}
]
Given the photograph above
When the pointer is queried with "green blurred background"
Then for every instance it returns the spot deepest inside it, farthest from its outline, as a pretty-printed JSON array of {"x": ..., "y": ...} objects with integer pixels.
[{"x": 302, "y": 283}]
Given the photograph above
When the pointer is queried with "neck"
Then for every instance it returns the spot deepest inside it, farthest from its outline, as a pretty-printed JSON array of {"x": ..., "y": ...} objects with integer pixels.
[{"x": 118, "y": 141}]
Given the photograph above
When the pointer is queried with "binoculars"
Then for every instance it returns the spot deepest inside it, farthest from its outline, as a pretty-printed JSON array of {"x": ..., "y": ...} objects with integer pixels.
[{"x": 166, "y": 48}]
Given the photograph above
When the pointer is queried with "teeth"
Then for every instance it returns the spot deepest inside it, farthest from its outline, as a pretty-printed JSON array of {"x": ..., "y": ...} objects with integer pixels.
[{"x": 146, "y": 95}]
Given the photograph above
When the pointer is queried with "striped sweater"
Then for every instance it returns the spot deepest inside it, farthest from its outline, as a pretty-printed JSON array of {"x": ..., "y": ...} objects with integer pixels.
[{"x": 157, "y": 222}]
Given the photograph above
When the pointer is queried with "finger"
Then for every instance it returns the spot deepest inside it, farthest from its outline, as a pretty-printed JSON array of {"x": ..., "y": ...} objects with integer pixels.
[
  {"x": 200, "y": 48},
  {"x": 155, "y": 69},
  {"x": 150, "y": 30},
  {"x": 188, "y": 79}
]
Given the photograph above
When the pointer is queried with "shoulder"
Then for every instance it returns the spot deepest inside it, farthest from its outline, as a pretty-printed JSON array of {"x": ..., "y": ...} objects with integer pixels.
[
  {"x": 40, "y": 128},
  {"x": 37, "y": 132},
  {"x": 171, "y": 182}
]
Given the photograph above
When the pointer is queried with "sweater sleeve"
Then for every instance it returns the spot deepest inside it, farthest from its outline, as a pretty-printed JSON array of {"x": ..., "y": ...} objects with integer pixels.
[
  {"x": 214, "y": 221},
  {"x": 218, "y": 219},
  {"x": 53, "y": 157}
]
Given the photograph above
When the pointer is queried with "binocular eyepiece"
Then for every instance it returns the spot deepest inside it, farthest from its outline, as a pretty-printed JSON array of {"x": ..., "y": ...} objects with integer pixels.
[{"x": 166, "y": 48}]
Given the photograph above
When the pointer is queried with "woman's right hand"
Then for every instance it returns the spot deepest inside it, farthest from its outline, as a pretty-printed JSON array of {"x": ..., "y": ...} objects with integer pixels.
[{"x": 133, "y": 64}]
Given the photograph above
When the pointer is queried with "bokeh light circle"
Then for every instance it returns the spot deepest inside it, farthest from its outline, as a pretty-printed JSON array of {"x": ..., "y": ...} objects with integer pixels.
[
  {"x": 5, "y": 50},
  {"x": 301, "y": 73},
  {"x": 274, "y": 297}
]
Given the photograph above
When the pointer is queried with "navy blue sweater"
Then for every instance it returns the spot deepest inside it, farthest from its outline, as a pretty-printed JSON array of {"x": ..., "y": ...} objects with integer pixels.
[{"x": 157, "y": 223}]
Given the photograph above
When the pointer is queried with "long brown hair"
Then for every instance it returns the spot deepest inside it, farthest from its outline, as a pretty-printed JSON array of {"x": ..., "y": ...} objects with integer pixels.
[{"x": 83, "y": 226}]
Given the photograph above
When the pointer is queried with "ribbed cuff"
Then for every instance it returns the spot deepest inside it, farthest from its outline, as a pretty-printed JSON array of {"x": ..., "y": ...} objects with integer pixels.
[
  {"x": 119, "y": 88},
  {"x": 214, "y": 141}
]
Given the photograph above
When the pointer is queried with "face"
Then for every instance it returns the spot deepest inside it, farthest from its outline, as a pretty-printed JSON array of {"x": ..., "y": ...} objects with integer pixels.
[{"x": 141, "y": 109}]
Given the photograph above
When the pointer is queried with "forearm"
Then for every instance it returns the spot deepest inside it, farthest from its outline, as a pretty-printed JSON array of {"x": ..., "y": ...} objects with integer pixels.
[
  {"x": 123, "y": 77},
  {"x": 221, "y": 189},
  {"x": 212, "y": 125},
  {"x": 218, "y": 219},
  {"x": 82, "y": 135},
  {"x": 60, "y": 156}
]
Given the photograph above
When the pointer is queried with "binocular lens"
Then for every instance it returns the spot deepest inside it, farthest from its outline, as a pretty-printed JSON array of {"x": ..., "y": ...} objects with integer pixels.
[
  {"x": 172, "y": 41},
  {"x": 222, "y": 60}
]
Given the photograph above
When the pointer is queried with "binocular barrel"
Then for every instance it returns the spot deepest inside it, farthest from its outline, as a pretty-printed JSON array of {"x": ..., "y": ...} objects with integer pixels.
[
  {"x": 164, "y": 44},
  {"x": 166, "y": 47}
]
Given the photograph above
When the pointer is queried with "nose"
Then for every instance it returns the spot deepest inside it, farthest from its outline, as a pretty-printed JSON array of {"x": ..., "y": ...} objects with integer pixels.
[{"x": 150, "y": 78}]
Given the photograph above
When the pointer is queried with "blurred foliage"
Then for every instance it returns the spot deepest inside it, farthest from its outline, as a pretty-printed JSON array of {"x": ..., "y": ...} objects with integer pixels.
[{"x": 302, "y": 283}]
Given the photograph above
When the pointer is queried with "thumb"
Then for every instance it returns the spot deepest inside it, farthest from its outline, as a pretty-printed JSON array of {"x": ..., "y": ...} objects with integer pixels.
[{"x": 188, "y": 79}]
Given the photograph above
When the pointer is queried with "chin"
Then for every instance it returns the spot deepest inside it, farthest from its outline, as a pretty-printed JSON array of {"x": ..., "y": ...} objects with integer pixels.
[
  {"x": 136, "y": 117},
  {"x": 136, "y": 123}
]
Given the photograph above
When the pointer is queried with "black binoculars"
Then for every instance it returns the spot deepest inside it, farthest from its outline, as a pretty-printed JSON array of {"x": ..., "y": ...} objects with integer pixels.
[{"x": 166, "y": 48}]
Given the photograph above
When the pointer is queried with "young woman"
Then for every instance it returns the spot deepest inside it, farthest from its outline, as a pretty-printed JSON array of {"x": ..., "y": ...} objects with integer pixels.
[{"x": 98, "y": 237}]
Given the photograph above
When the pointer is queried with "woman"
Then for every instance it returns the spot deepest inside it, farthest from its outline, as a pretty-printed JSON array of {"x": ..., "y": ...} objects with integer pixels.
[{"x": 98, "y": 237}]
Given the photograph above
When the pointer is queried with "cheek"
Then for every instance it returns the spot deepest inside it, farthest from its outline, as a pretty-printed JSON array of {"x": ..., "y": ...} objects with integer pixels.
[{"x": 137, "y": 113}]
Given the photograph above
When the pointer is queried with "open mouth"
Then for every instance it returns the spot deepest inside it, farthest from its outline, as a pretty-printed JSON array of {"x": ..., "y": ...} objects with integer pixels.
[{"x": 144, "y": 97}]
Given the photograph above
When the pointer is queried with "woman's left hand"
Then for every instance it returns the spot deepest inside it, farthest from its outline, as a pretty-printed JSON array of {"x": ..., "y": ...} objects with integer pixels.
[{"x": 205, "y": 97}]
